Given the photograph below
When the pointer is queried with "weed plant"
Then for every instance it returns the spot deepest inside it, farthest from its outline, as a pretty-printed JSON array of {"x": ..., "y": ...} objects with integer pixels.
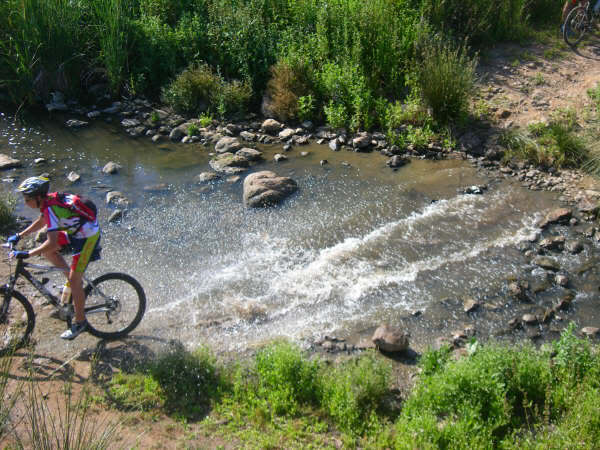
[{"x": 7, "y": 213}]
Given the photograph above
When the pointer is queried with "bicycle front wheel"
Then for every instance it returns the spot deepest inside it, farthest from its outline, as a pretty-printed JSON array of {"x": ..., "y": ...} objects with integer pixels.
[
  {"x": 17, "y": 320},
  {"x": 575, "y": 26},
  {"x": 115, "y": 304}
]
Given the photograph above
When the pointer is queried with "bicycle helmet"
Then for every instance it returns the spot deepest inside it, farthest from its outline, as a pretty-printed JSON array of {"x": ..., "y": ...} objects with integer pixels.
[{"x": 34, "y": 186}]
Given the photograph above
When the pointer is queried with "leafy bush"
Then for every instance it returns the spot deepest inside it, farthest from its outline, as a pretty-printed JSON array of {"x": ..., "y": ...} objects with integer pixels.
[
  {"x": 198, "y": 89},
  {"x": 286, "y": 379},
  {"x": 288, "y": 84},
  {"x": 188, "y": 380},
  {"x": 446, "y": 78},
  {"x": 354, "y": 391}
]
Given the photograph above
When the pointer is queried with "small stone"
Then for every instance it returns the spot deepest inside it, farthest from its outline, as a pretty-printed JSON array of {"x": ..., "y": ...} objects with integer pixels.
[
  {"x": 111, "y": 168},
  {"x": 529, "y": 319},
  {"x": 323, "y": 162},
  {"x": 561, "y": 280},
  {"x": 116, "y": 215},
  {"x": 470, "y": 305},
  {"x": 73, "y": 177},
  {"x": 590, "y": 331},
  {"x": 390, "y": 339},
  {"x": 39, "y": 161},
  {"x": 303, "y": 153},
  {"x": 279, "y": 157}
]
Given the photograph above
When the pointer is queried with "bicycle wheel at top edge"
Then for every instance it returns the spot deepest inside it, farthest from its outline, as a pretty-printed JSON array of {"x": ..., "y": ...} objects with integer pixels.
[
  {"x": 575, "y": 26},
  {"x": 115, "y": 307},
  {"x": 17, "y": 320}
]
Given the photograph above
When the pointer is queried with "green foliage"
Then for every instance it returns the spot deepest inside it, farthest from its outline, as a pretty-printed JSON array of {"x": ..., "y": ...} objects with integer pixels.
[
  {"x": 354, "y": 391},
  {"x": 445, "y": 78},
  {"x": 552, "y": 144},
  {"x": 594, "y": 95},
  {"x": 7, "y": 213},
  {"x": 136, "y": 391},
  {"x": 482, "y": 398},
  {"x": 306, "y": 107},
  {"x": 189, "y": 381},
  {"x": 198, "y": 89},
  {"x": 336, "y": 114},
  {"x": 290, "y": 81},
  {"x": 205, "y": 119},
  {"x": 286, "y": 378},
  {"x": 433, "y": 361},
  {"x": 193, "y": 130}
]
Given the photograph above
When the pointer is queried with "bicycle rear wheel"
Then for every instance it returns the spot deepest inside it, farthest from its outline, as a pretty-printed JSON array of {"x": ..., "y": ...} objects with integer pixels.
[
  {"x": 115, "y": 304},
  {"x": 575, "y": 26},
  {"x": 17, "y": 320}
]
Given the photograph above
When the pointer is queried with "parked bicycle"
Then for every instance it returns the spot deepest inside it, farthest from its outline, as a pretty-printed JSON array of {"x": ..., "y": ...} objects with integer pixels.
[
  {"x": 115, "y": 304},
  {"x": 579, "y": 21}
]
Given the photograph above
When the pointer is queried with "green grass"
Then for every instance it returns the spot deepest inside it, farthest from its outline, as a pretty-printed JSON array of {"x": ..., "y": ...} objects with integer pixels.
[
  {"x": 499, "y": 396},
  {"x": 7, "y": 213}
]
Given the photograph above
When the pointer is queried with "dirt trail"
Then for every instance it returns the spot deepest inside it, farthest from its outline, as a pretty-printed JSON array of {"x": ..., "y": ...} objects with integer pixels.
[{"x": 518, "y": 84}]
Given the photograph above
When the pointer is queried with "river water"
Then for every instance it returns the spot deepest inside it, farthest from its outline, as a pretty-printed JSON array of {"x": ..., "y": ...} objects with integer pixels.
[{"x": 358, "y": 245}]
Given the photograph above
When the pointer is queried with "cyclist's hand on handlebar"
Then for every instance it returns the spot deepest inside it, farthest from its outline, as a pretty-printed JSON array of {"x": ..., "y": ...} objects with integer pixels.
[
  {"x": 14, "y": 239},
  {"x": 19, "y": 254}
]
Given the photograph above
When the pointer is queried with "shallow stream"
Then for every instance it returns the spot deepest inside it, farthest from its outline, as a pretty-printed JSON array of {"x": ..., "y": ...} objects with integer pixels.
[{"x": 358, "y": 245}]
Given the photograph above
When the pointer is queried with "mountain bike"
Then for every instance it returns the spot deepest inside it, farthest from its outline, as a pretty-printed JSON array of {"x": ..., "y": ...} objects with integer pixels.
[
  {"x": 114, "y": 305},
  {"x": 579, "y": 21}
]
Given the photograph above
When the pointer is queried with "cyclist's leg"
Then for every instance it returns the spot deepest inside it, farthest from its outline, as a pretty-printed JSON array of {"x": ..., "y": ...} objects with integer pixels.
[
  {"x": 54, "y": 256},
  {"x": 84, "y": 249}
]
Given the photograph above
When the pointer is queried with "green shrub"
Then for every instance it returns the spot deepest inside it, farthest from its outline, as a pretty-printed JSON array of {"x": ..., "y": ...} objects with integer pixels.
[
  {"x": 193, "y": 130},
  {"x": 7, "y": 213},
  {"x": 192, "y": 91},
  {"x": 189, "y": 381},
  {"x": 306, "y": 107},
  {"x": 354, "y": 391},
  {"x": 336, "y": 114},
  {"x": 491, "y": 393},
  {"x": 290, "y": 81},
  {"x": 137, "y": 391},
  {"x": 446, "y": 78},
  {"x": 233, "y": 98},
  {"x": 205, "y": 119},
  {"x": 286, "y": 379}
]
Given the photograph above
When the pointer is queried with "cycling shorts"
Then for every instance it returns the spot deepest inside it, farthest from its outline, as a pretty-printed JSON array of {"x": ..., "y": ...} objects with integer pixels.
[{"x": 84, "y": 250}]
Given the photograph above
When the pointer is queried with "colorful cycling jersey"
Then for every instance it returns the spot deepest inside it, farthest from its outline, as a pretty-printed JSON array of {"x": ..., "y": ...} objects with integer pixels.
[{"x": 63, "y": 219}]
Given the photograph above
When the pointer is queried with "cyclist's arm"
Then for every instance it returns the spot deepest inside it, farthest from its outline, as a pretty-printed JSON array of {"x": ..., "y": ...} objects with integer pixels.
[
  {"x": 37, "y": 225},
  {"x": 50, "y": 245}
]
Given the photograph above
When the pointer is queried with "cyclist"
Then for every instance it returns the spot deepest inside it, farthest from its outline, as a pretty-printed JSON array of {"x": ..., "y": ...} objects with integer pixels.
[{"x": 66, "y": 228}]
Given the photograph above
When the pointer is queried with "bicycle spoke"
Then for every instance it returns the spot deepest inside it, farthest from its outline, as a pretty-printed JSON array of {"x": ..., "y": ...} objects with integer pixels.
[{"x": 16, "y": 322}]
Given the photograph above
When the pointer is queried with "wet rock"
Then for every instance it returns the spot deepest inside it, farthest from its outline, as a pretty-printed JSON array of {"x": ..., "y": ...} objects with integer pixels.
[
  {"x": 40, "y": 161},
  {"x": 390, "y": 339},
  {"x": 74, "y": 123},
  {"x": 547, "y": 263},
  {"x": 574, "y": 247},
  {"x": 397, "y": 161},
  {"x": 529, "y": 319},
  {"x": 279, "y": 157},
  {"x": 589, "y": 206},
  {"x": 73, "y": 177},
  {"x": 116, "y": 198},
  {"x": 334, "y": 145},
  {"x": 248, "y": 136},
  {"x": 323, "y": 162},
  {"x": 250, "y": 154},
  {"x": 561, "y": 280},
  {"x": 233, "y": 179},
  {"x": 517, "y": 290},
  {"x": 286, "y": 133},
  {"x": 548, "y": 315},
  {"x": 560, "y": 216},
  {"x": 177, "y": 134},
  {"x": 470, "y": 305},
  {"x": 156, "y": 138},
  {"x": 227, "y": 145},
  {"x": 554, "y": 243},
  {"x": 473, "y": 190},
  {"x": 160, "y": 187},
  {"x": 303, "y": 153},
  {"x": 136, "y": 131},
  {"x": 514, "y": 323},
  {"x": 361, "y": 142},
  {"x": 590, "y": 331},
  {"x": 129, "y": 123},
  {"x": 365, "y": 344},
  {"x": 6, "y": 162},
  {"x": 111, "y": 168},
  {"x": 308, "y": 125},
  {"x": 287, "y": 147},
  {"x": 116, "y": 216},
  {"x": 57, "y": 103},
  {"x": 266, "y": 188},
  {"x": 207, "y": 177},
  {"x": 301, "y": 140},
  {"x": 564, "y": 303},
  {"x": 271, "y": 126},
  {"x": 229, "y": 163}
]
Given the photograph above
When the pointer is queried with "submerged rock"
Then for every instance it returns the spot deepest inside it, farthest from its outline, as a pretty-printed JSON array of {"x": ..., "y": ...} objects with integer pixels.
[{"x": 6, "y": 162}]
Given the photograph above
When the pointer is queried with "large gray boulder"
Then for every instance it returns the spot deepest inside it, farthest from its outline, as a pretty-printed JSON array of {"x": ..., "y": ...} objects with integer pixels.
[{"x": 266, "y": 188}]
